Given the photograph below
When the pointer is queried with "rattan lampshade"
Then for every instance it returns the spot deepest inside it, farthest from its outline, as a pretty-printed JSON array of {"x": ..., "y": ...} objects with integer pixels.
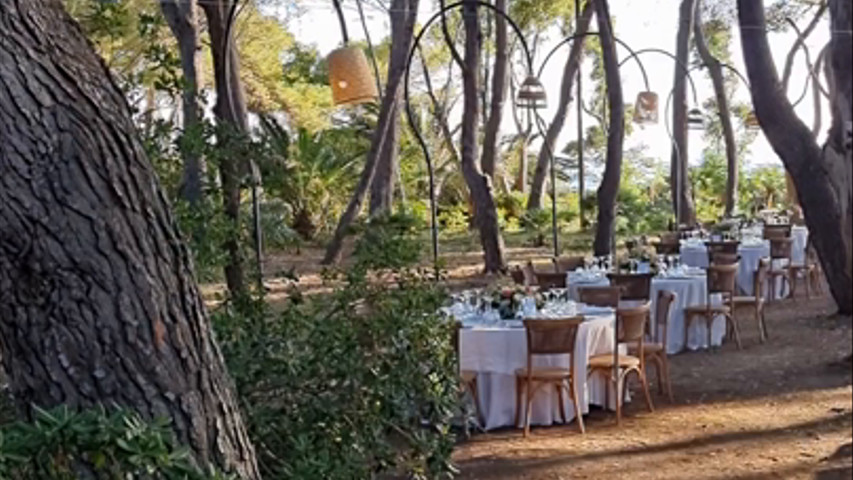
[
  {"x": 751, "y": 121},
  {"x": 695, "y": 120},
  {"x": 646, "y": 108},
  {"x": 350, "y": 77},
  {"x": 531, "y": 94}
]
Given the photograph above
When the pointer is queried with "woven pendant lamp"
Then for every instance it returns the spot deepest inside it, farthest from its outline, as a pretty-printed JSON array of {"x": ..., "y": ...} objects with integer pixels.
[
  {"x": 751, "y": 121},
  {"x": 531, "y": 94},
  {"x": 350, "y": 77},
  {"x": 695, "y": 120},
  {"x": 646, "y": 108}
]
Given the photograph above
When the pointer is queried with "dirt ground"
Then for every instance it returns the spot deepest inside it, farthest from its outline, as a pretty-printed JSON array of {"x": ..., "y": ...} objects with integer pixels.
[{"x": 779, "y": 410}]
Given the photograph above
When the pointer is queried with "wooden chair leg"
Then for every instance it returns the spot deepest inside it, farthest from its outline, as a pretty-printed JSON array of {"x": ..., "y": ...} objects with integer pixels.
[
  {"x": 730, "y": 318},
  {"x": 659, "y": 372},
  {"x": 619, "y": 389},
  {"x": 559, "y": 389},
  {"x": 518, "y": 400},
  {"x": 665, "y": 363},
  {"x": 760, "y": 324},
  {"x": 528, "y": 410},
  {"x": 644, "y": 381},
  {"x": 577, "y": 404}
]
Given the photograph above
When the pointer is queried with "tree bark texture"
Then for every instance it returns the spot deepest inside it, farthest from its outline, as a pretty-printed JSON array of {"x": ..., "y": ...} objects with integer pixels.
[
  {"x": 485, "y": 210},
  {"x": 609, "y": 187},
  {"x": 823, "y": 177},
  {"x": 403, "y": 13},
  {"x": 678, "y": 164},
  {"x": 499, "y": 81},
  {"x": 570, "y": 70},
  {"x": 98, "y": 304},
  {"x": 181, "y": 17},
  {"x": 715, "y": 70},
  {"x": 232, "y": 117}
]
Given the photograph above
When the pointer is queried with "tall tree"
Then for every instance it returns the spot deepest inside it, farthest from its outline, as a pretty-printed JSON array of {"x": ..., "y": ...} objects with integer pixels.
[
  {"x": 479, "y": 185},
  {"x": 181, "y": 17},
  {"x": 570, "y": 70},
  {"x": 715, "y": 70},
  {"x": 678, "y": 163},
  {"x": 499, "y": 87},
  {"x": 232, "y": 118},
  {"x": 609, "y": 187},
  {"x": 403, "y": 15},
  {"x": 823, "y": 176},
  {"x": 98, "y": 304}
]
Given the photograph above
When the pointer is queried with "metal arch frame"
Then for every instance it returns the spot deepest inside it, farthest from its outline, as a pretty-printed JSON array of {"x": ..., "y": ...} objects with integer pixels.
[
  {"x": 410, "y": 116},
  {"x": 685, "y": 68},
  {"x": 540, "y": 122}
]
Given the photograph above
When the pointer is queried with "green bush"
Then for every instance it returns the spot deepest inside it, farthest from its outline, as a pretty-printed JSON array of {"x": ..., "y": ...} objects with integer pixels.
[
  {"x": 61, "y": 445},
  {"x": 353, "y": 384}
]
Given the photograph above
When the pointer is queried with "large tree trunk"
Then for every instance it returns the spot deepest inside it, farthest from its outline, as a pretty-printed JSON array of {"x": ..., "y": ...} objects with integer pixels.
[
  {"x": 181, "y": 17},
  {"x": 231, "y": 115},
  {"x": 609, "y": 187},
  {"x": 485, "y": 210},
  {"x": 98, "y": 304},
  {"x": 499, "y": 80},
  {"x": 823, "y": 177},
  {"x": 678, "y": 164},
  {"x": 570, "y": 70},
  {"x": 403, "y": 15},
  {"x": 716, "y": 72}
]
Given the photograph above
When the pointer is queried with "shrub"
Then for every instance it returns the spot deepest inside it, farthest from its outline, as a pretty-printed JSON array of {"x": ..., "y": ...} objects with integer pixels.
[
  {"x": 353, "y": 384},
  {"x": 61, "y": 445}
]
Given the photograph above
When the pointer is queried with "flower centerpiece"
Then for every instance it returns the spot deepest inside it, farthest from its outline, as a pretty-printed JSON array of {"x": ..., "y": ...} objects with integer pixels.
[{"x": 507, "y": 298}]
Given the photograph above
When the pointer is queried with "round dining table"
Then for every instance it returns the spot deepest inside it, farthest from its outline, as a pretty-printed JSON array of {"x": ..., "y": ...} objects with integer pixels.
[
  {"x": 689, "y": 290},
  {"x": 495, "y": 351},
  {"x": 695, "y": 254}
]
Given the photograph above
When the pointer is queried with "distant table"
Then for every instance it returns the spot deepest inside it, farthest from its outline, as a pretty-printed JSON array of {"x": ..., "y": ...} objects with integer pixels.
[
  {"x": 575, "y": 281},
  {"x": 689, "y": 291},
  {"x": 697, "y": 256}
]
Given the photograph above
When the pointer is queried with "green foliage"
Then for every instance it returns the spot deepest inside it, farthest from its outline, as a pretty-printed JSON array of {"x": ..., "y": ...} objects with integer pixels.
[
  {"x": 388, "y": 243},
  {"x": 61, "y": 445},
  {"x": 353, "y": 384}
]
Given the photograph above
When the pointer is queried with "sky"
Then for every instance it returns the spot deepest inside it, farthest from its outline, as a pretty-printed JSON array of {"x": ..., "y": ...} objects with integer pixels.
[{"x": 639, "y": 23}]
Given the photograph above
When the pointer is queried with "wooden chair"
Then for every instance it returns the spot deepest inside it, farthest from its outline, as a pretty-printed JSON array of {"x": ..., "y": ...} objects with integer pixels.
[
  {"x": 548, "y": 337},
  {"x": 630, "y": 329},
  {"x": 806, "y": 271},
  {"x": 723, "y": 246},
  {"x": 529, "y": 273},
  {"x": 722, "y": 279},
  {"x": 568, "y": 264},
  {"x": 780, "y": 263},
  {"x": 549, "y": 280},
  {"x": 720, "y": 258},
  {"x": 756, "y": 300},
  {"x": 600, "y": 296},
  {"x": 633, "y": 286},
  {"x": 517, "y": 275},
  {"x": 776, "y": 231},
  {"x": 654, "y": 350},
  {"x": 667, "y": 248},
  {"x": 467, "y": 378}
]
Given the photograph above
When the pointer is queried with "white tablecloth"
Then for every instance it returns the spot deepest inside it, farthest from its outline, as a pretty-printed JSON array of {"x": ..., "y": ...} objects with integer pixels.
[
  {"x": 697, "y": 256},
  {"x": 495, "y": 353},
  {"x": 688, "y": 291},
  {"x": 799, "y": 236}
]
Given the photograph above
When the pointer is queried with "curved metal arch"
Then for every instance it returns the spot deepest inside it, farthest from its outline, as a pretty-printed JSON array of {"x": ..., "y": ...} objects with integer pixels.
[
  {"x": 410, "y": 116},
  {"x": 572, "y": 38},
  {"x": 685, "y": 68}
]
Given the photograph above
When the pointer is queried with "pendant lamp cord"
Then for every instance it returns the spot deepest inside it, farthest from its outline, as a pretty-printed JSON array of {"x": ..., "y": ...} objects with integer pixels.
[{"x": 337, "y": 4}]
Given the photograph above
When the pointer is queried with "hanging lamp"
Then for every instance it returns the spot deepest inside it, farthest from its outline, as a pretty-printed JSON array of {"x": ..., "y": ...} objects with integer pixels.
[
  {"x": 695, "y": 119},
  {"x": 349, "y": 73},
  {"x": 646, "y": 108},
  {"x": 531, "y": 94},
  {"x": 751, "y": 121}
]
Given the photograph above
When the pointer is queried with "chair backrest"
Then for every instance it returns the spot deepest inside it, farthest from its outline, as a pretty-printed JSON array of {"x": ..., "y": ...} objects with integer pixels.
[
  {"x": 549, "y": 280},
  {"x": 669, "y": 237},
  {"x": 720, "y": 258},
  {"x": 780, "y": 247},
  {"x": 551, "y": 336},
  {"x": 632, "y": 323},
  {"x": 663, "y": 310},
  {"x": 723, "y": 246},
  {"x": 633, "y": 286},
  {"x": 667, "y": 247},
  {"x": 517, "y": 275},
  {"x": 529, "y": 273},
  {"x": 776, "y": 231},
  {"x": 568, "y": 264},
  {"x": 722, "y": 279},
  {"x": 600, "y": 296},
  {"x": 760, "y": 277}
]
